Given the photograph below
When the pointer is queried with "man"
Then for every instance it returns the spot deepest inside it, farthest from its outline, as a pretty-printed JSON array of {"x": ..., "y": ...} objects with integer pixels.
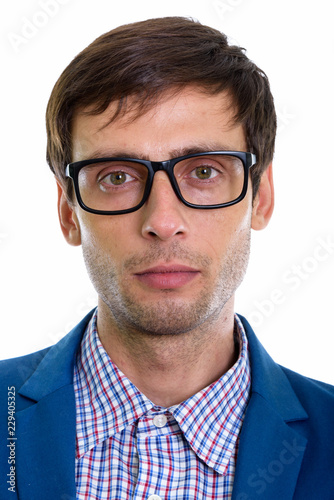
[{"x": 161, "y": 138}]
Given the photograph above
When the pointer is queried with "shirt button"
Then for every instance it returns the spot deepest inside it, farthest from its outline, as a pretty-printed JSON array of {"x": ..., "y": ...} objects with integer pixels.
[
  {"x": 154, "y": 497},
  {"x": 159, "y": 421}
]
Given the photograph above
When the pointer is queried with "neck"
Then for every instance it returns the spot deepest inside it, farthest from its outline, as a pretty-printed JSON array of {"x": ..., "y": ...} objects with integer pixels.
[{"x": 169, "y": 369}]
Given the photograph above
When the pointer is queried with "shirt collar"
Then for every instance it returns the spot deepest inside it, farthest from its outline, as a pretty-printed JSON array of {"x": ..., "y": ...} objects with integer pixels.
[
  {"x": 103, "y": 393},
  {"x": 210, "y": 420}
]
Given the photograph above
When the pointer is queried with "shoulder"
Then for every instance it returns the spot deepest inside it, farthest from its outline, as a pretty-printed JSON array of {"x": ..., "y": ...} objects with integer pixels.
[
  {"x": 19, "y": 369},
  {"x": 281, "y": 385},
  {"x": 315, "y": 396}
]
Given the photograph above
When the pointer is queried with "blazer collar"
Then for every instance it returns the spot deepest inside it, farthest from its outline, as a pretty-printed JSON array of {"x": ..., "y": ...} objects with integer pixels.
[
  {"x": 270, "y": 382},
  {"x": 56, "y": 368},
  {"x": 268, "y": 379}
]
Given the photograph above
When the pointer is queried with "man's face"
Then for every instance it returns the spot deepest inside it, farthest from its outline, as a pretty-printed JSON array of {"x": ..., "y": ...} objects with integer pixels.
[{"x": 166, "y": 268}]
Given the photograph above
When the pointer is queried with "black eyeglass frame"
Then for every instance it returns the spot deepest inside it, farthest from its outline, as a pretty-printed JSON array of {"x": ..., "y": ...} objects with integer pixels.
[{"x": 72, "y": 171}]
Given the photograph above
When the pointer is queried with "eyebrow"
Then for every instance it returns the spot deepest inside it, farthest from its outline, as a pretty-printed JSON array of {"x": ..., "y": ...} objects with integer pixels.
[{"x": 175, "y": 153}]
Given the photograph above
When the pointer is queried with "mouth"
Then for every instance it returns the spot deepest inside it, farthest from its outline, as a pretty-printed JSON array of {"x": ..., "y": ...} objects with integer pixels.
[{"x": 167, "y": 277}]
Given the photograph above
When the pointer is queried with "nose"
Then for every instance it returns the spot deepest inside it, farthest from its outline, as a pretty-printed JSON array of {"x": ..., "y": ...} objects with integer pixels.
[{"x": 163, "y": 212}]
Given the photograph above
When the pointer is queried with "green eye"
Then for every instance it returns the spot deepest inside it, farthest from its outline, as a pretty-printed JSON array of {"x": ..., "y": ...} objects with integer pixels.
[
  {"x": 117, "y": 178},
  {"x": 203, "y": 172}
]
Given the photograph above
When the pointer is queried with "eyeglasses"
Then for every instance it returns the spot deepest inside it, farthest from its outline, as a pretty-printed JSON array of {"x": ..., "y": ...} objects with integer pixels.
[{"x": 111, "y": 186}]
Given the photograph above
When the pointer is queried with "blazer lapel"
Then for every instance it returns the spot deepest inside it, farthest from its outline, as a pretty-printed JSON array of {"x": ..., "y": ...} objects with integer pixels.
[
  {"x": 46, "y": 430},
  {"x": 271, "y": 450},
  {"x": 270, "y": 455}
]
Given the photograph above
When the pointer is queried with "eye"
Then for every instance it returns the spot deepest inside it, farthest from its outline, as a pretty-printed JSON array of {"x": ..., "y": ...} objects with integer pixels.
[
  {"x": 204, "y": 173},
  {"x": 116, "y": 178}
]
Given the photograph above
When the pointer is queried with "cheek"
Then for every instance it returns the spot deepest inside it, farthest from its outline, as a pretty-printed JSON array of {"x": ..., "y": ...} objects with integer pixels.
[
  {"x": 220, "y": 230},
  {"x": 113, "y": 235}
]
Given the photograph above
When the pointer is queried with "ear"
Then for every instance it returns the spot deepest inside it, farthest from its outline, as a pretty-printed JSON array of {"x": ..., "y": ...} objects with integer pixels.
[
  {"x": 263, "y": 204},
  {"x": 67, "y": 217}
]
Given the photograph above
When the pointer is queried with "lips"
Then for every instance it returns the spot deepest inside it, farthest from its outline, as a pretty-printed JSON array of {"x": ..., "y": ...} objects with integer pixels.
[{"x": 167, "y": 276}]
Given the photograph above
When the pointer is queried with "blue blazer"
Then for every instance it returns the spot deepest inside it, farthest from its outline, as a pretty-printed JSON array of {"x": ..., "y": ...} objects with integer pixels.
[{"x": 286, "y": 446}]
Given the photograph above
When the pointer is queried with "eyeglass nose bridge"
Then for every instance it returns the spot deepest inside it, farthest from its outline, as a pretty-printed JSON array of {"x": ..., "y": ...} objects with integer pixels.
[
  {"x": 164, "y": 166},
  {"x": 161, "y": 165}
]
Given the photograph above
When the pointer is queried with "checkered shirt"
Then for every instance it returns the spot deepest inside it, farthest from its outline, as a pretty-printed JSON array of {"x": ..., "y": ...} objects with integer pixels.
[{"x": 129, "y": 448}]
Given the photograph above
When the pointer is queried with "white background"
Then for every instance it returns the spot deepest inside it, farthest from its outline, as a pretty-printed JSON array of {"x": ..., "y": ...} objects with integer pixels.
[{"x": 288, "y": 293}]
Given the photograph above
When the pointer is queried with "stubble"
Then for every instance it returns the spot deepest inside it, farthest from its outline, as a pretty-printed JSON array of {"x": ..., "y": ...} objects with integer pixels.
[{"x": 167, "y": 315}]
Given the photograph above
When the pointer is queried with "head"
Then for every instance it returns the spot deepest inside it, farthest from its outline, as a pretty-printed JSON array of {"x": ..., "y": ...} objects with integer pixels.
[
  {"x": 144, "y": 61},
  {"x": 155, "y": 90}
]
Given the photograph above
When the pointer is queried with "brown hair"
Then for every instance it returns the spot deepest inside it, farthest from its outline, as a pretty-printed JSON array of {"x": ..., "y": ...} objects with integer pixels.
[{"x": 146, "y": 59}]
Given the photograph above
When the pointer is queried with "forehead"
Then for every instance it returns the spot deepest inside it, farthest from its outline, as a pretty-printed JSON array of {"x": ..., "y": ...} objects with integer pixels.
[{"x": 179, "y": 122}]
